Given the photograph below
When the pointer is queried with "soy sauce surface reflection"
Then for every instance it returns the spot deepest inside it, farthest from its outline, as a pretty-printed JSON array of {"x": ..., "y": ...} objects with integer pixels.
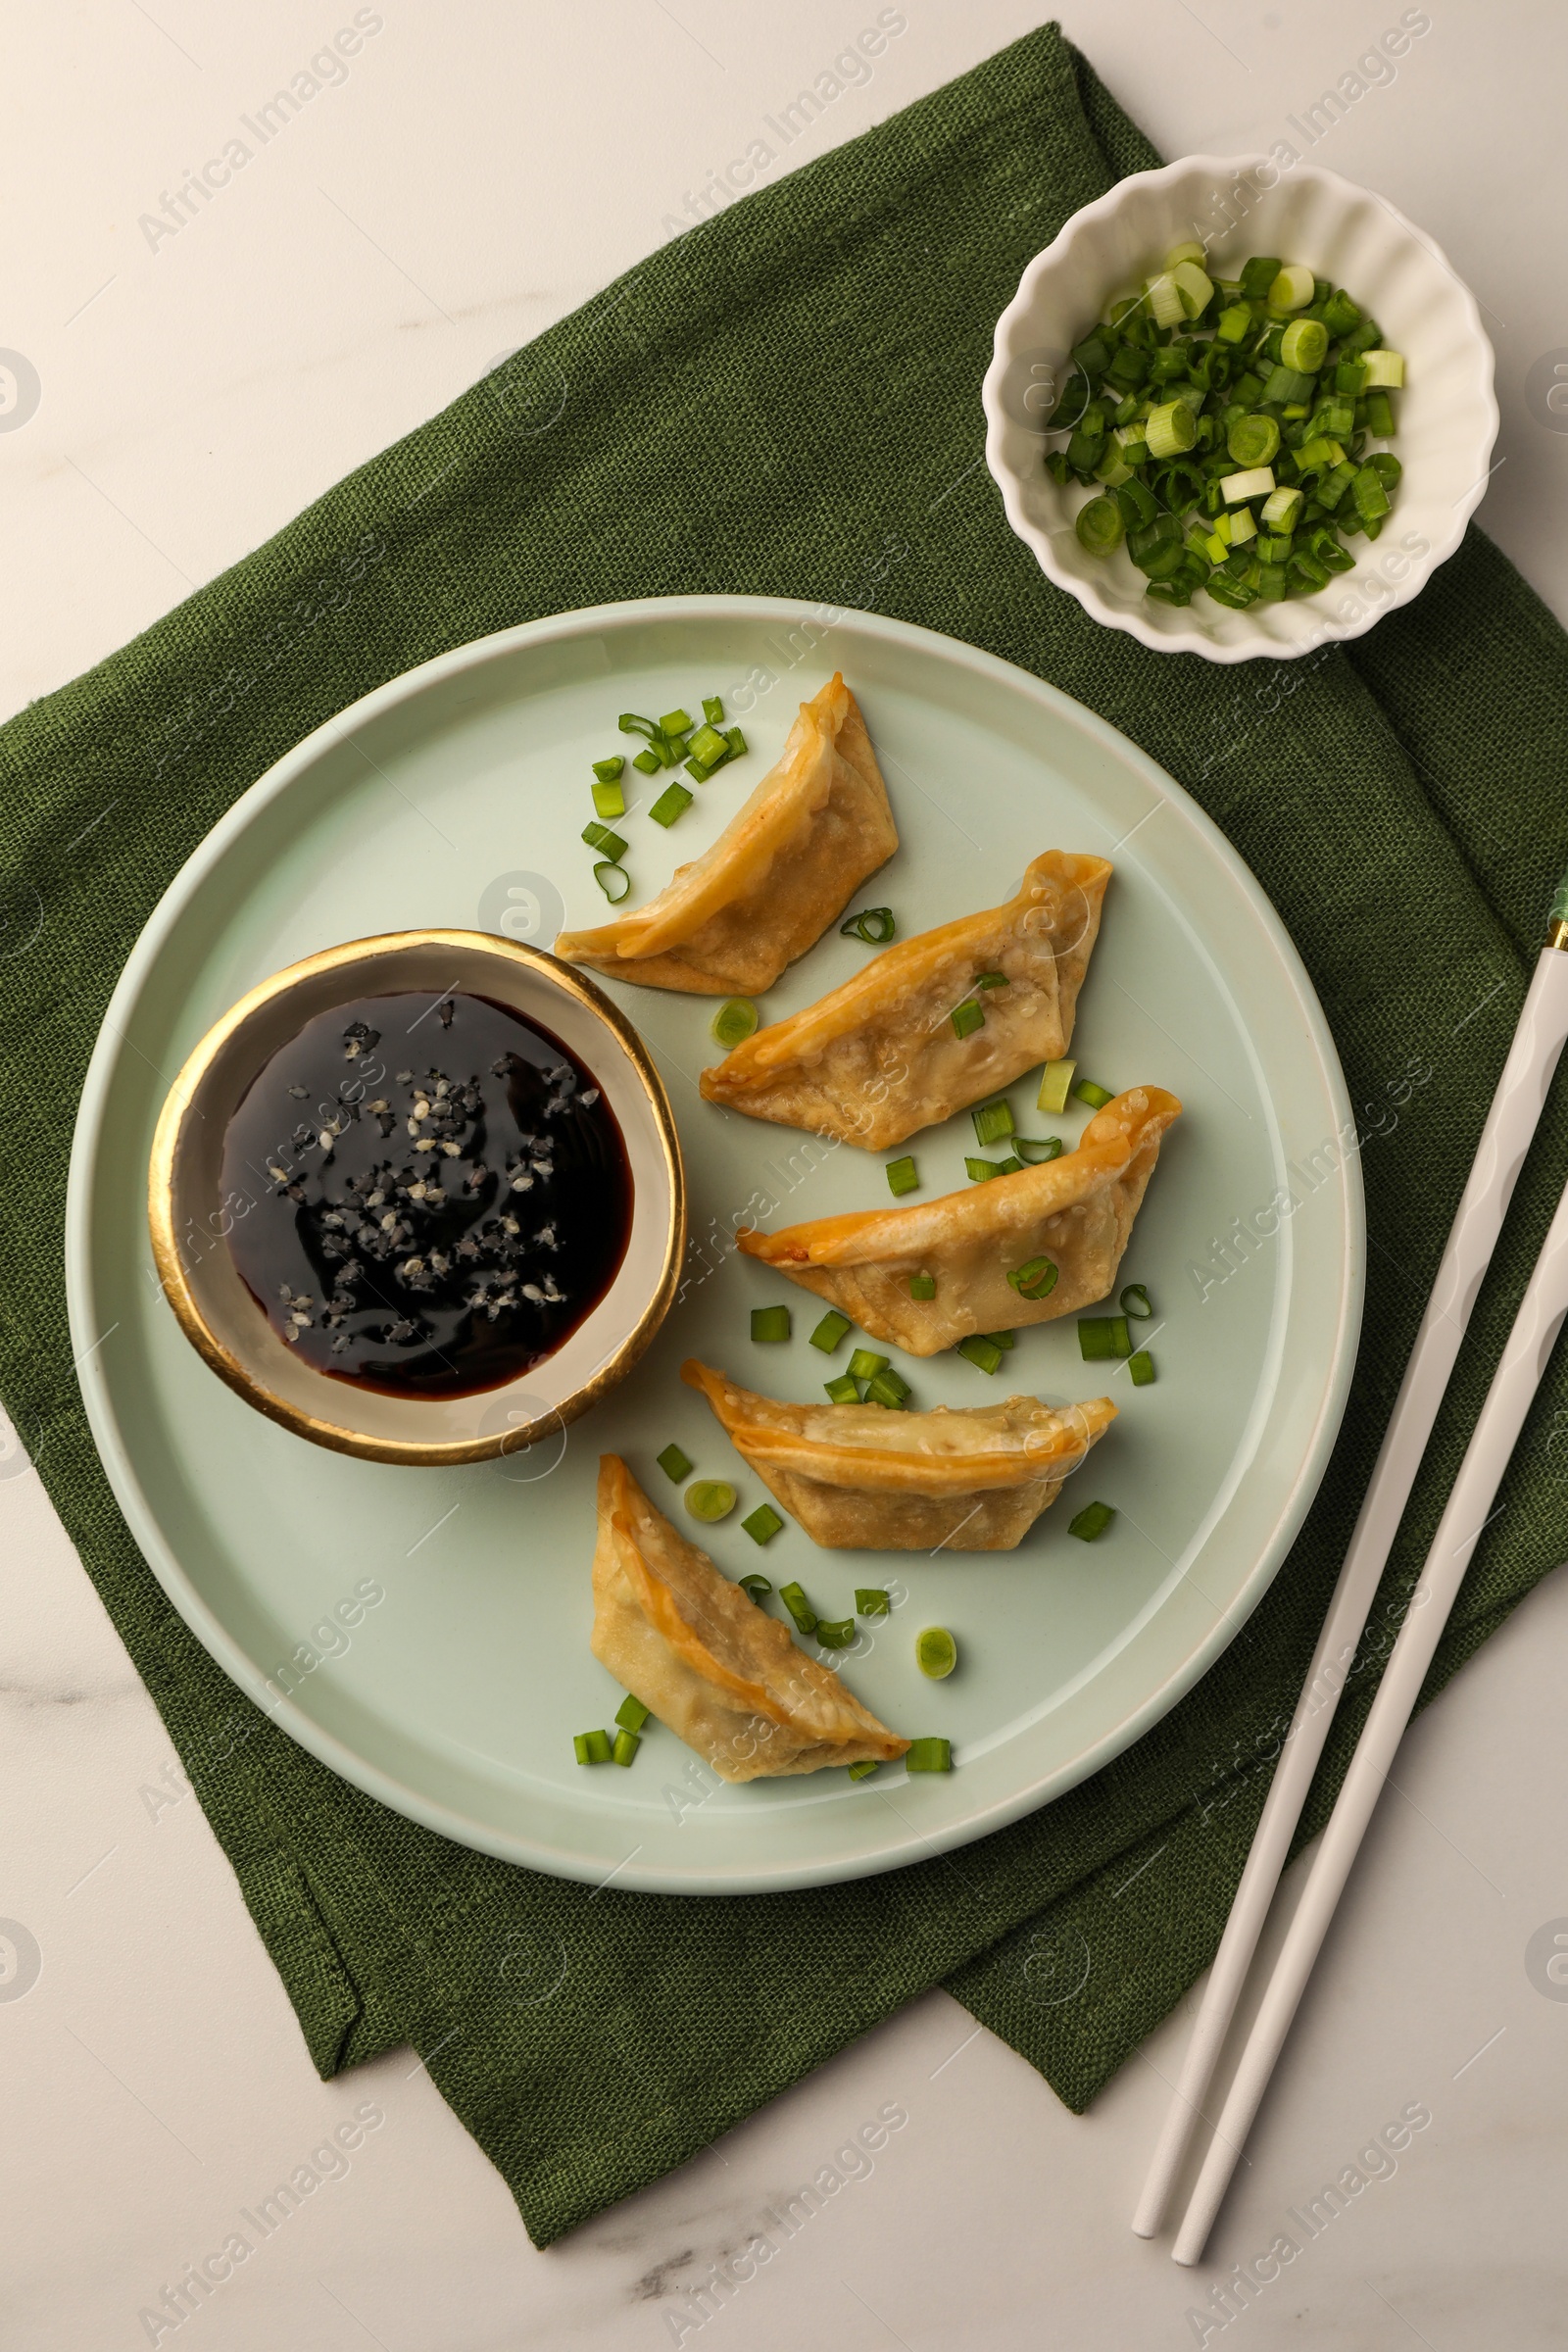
[{"x": 438, "y": 1194}]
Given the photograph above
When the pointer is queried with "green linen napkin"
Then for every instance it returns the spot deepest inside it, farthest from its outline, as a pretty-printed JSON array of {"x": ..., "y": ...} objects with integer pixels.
[{"x": 769, "y": 404}]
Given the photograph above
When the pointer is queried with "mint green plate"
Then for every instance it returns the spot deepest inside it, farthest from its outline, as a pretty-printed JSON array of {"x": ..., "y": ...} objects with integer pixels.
[{"x": 456, "y": 796}]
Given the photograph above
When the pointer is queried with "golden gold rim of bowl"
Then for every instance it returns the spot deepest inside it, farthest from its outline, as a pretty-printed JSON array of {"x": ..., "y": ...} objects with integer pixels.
[{"x": 255, "y": 1391}]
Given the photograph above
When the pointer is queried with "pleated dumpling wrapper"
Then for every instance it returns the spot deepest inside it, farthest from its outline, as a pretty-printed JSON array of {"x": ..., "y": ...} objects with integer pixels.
[
  {"x": 1060, "y": 1228},
  {"x": 860, "y": 1478},
  {"x": 701, "y": 1655},
  {"x": 780, "y": 871},
  {"x": 880, "y": 1057}
]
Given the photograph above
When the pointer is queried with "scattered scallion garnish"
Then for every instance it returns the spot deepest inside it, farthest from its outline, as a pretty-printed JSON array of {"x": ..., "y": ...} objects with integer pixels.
[
  {"x": 866, "y": 1364},
  {"x": 762, "y": 1524},
  {"x": 992, "y": 1121},
  {"x": 870, "y": 1600},
  {"x": 835, "y": 1633},
  {"x": 1096, "y": 1097},
  {"x": 673, "y": 1464},
  {"x": 1101, "y": 1336},
  {"x": 901, "y": 1176},
  {"x": 929, "y": 1755},
  {"x": 830, "y": 1331},
  {"x": 771, "y": 1322},
  {"x": 800, "y": 1608},
  {"x": 755, "y": 1587},
  {"x": 865, "y": 1769},
  {"x": 608, "y": 771},
  {"x": 1135, "y": 1302},
  {"x": 711, "y": 1499},
  {"x": 1035, "y": 1280},
  {"x": 672, "y": 802},
  {"x": 632, "y": 1714},
  {"x": 1034, "y": 1149},
  {"x": 614, "y": 880},
  {"x": 734, "y": 1021},
  {"x": 936, "y": 1652},
  {"x": 610, "y": 799},
  {"x": 1054, "y": 1083},
  {"x": 922, "y": 1286},
  {"x": 1092, "y": 1521},
  {"x": 592, "y": 1747},
  {"x": 967, "y": 1019},
  {"x": 887, "y": 1388},
  {"x": 982, "y": 1352},
  {"x": 608, "y": 844},
  {"x": 842, "y": 1390},
  {"x": 1141, "y": 1367},
  {"x": 625, "y": 1749},
  {"x": 875, "y": 925}
]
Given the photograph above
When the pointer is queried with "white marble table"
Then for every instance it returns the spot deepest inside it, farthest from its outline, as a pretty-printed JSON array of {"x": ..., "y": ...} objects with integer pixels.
[{"x": 468, "y": 176}]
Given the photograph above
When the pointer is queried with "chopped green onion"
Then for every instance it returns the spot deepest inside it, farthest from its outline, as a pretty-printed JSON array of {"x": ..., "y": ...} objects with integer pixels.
[
  {"x": 1281, "y": 508},
  {"x": 608, "y": 874},
  {"x": 1384, "y": 371},
  {"x": 1371, "y": 499},
  {"x": 673, "y": 1464},
  {"x": 600, "y": 838},
  {"x": 625, "y": 1749},
  {"x": 865, "y": 1769},
  {"x": 1252, "y": 440},
  {"x": 712, "y": 710},
  {"x": 1009, "y": 1166},
  {"x": 981, "y": 1171},
  {"x": 609, "y": 771},
  {"x": 888, "y": 1389},
  {"x": 1193, "y": 284},
  {"x": 1233, "y": 322},
  {"x": 901, "y": 1176},
  {"x": 1135, "y": 1302},
  {"x": 1257, "y": 275},
  {"x": 830, "y": 1331},
  {"x": 771, "y": 1322},
  {"x": 632, "y": 1714},
  {"x": 609, "y": 799},
  {"x": 648, "y": 763},
  {"x": 866, "y": 1364},
  {"x": 1003, "y": 1338},
  {"x": 1188, "y": 252},
  {"x": 875, "y": 925},
  {"x": 1165, "y": 298},
  {"x": 798, "y": 1608},
  {"x": 1304, "y": 344},
  {"x": 762, "y": 1524},
  {"x": 735, "y": 1020},
  {"x": 966, "y": 1019},
  {"x": 1034, "y": 1149},
  {"x": 870, "y": 1600},
  {"x": 981, "y": 1352},
  {"x": 1055, "y": 1084},
  {"x": 1100, "y": 527},
  {"x": 1292, "y": 288},
  {"x": 1256, "y": 482},
  {"x": 835, "y": 1633},
  {"x": 929, "y": 1755},
  {"x": 1035, "y": 1280},
  {"x": 993, "y": 980},
  {"x": 631, "y": 722},
  {"x": 1096, "y": 1097},
  {"x": 1101, "y": 1336},
  {"x": 755, "y": 1587},
  {"x": 736, "y": 740},
  {"x": 708, "y": 745},
  {"x": 922, "y": 1286},
  {"x": 843, "y": 1390},
  {"x": 672, "y": 802},
  {"x": 1243, "y": 527},
  {"x": 1379, "y": 415},
  {"x": 936, "y": 1652},
  {"x": 1140, "y": 1366},
  {"x": 711, "y": 1499},
  {"x": 1092, "y": 1521},
  {"x": 992, "y": 1121},
  {"x": 675, "y": 722},
  {"x": 1172, "y": 431},
  {"x": 592, "y": 1747}
]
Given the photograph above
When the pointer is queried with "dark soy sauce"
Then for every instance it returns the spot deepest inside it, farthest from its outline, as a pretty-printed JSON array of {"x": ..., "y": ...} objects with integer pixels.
[{"x": 428, "y": 1197}]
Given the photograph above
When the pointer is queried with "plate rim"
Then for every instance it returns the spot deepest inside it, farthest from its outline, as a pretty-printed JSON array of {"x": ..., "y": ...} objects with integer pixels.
[{"x": 179, "y": 1588}]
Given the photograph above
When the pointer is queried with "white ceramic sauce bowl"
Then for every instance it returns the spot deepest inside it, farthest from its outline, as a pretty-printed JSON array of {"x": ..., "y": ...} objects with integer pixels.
[{"x": 1447, "y": 417}]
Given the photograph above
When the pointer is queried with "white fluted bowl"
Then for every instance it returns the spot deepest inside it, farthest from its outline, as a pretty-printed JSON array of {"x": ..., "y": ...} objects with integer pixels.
[{"x": 1447, "y": 417}]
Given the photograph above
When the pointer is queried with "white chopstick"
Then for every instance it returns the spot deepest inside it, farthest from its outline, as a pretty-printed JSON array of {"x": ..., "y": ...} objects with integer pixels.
[
  {"x": 1510, "y": 1124},
  {"x": 1508, "y": 1399}
]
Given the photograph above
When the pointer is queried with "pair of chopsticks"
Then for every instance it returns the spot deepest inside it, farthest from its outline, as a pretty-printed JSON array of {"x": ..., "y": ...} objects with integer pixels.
[{"x": 1505, "y": 1139}]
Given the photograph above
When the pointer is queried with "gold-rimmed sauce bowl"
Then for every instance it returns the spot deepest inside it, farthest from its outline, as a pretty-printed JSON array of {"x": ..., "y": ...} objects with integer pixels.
[{"x": 191, "y": 1218}]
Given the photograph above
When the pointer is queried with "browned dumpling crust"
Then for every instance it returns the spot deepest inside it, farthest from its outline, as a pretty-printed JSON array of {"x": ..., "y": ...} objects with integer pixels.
[
  {"x": 720, "y": 1672},
  {"x": 1077, "y": 1211},
  {"x": 860, "y": 1478},
  {"x": 817, "y": 825},
  {"x": 879, "y": 1058}
]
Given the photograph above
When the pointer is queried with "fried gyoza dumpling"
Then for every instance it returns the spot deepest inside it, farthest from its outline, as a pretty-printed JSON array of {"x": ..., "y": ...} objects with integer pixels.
[
  {"x": 880, "y": 1057},
  {"x": 1063, "y": 1224},
  {"x": 780, "y": 871},
  {"x": 860, "y": 1478},
  {"x": 702, "y": 1656}
]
